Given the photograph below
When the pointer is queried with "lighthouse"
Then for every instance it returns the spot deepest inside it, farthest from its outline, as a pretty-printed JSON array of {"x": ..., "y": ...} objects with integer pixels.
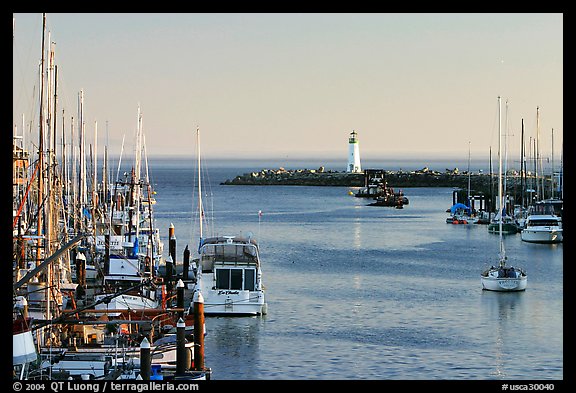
[{"x": 353, "y": 154}]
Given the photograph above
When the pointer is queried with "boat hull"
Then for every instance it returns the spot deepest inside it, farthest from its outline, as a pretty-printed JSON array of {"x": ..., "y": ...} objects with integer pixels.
[
  {"x": 504, "y": 284},
  {"x": 542, "y": 236},
  {"x": 507, "y": 228},
  {"x": 125, "y": 302},
  {"x": 233, "y": 302}
]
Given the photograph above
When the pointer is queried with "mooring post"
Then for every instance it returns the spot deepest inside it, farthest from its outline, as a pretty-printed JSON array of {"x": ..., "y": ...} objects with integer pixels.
[
  {"x": 145, "y": 359},
  {"x": 186, "y": 263},
  {"x": 180, "y": 298},
  {"x": 172, "y": 243},
  {"x": 168, "y": 278},
  {"x": 182, "y": 361},
  {"x": 198, "y": 331}
]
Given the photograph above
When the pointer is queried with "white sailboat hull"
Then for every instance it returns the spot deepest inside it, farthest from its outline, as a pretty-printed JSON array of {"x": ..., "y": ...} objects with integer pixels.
[
  {"x": 504, "y": 284},
  {"x": 125, "y": 302}
]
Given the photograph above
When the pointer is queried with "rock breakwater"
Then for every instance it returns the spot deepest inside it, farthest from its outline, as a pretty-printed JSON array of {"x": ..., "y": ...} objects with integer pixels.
[{"x": 397, "y": 179}]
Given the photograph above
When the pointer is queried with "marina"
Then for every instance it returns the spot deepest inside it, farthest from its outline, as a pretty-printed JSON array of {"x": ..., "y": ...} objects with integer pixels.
[
  {"x": 169, "y": 268},
  {"x": 364, "y": 293}
]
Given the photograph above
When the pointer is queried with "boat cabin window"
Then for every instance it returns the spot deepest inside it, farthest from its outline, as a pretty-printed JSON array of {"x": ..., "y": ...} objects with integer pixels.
[
  {"x": 238, "y": 279},
  {"x": 231, "y": 253},
  {"x": 250, "y": 279},
  {"x": 539, "y": 223}
]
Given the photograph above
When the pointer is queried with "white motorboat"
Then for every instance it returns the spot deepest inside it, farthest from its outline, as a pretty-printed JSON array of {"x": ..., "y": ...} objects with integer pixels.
[
  {"x": 229, "y": 276},
  {"x": 542, "y": 228}
]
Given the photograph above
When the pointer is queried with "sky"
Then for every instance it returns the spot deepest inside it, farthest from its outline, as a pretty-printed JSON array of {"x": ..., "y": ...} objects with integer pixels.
[{"x": 295, "y": 85}]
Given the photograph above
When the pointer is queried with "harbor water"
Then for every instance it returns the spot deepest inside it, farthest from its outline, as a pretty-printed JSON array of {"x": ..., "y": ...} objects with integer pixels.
[{"x": 358, "y": 292}]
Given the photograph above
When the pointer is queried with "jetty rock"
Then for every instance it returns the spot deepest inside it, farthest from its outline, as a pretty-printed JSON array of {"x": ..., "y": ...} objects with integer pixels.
[{"x": 322, "y": 177}]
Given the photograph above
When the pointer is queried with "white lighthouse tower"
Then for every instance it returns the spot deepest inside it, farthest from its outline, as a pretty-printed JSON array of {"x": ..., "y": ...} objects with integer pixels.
[{"x": 353, "y": 154}]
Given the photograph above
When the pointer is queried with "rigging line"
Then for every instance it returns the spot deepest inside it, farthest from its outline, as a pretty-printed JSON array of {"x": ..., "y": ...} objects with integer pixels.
[{"x": 25, "y": 196}]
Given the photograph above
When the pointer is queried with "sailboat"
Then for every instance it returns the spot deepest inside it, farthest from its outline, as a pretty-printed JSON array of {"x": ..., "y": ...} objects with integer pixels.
[
  {"x": 131, "y": 263},
  {"x": 229, "y": 274},
  {"x": 504, "y": 221},
  {"x": 502, "y": 277}
]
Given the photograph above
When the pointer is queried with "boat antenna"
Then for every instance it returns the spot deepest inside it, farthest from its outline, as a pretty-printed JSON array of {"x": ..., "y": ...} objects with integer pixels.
[{"x": 259, "y": 220}]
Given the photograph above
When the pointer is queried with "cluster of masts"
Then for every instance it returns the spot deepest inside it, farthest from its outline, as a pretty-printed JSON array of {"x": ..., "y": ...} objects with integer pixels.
[{"x": 72, "y": 227}]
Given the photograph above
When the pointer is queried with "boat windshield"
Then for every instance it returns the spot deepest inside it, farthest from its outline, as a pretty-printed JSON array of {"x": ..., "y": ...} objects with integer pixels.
[{"x": 542, "y": 223}]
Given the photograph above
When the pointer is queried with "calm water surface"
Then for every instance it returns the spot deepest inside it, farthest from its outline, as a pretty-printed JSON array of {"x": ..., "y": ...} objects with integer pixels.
[{"x": 364, "y": 292}]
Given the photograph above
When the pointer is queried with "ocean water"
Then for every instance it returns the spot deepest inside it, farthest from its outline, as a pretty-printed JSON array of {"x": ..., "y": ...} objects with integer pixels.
[{"x": 358, "y": 292}]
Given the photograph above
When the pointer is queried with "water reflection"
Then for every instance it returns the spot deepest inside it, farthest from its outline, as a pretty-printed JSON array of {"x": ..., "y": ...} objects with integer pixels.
[
  {"x": 504, "y": 312},
  {"x": 231, "y": 344},
  {"x": 357, "y": 228}
]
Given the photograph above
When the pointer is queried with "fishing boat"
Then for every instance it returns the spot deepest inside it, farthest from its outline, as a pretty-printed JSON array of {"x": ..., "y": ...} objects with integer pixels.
[
  {"x": 502, "y": 278},
  {"x": 229, "y": 274}
]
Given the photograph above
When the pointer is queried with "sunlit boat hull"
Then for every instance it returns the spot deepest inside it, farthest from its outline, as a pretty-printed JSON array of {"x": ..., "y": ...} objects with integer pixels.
[
  {"x": 233, "y": 302},
  {"x": 126, "y": 302},
  {"x": 542, "y": 235}
]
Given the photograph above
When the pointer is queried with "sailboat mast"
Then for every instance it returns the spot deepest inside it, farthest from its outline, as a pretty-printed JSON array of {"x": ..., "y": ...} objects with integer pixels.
[
  {"x": 522, "y": 168},
  {"x": 468, "y": 199},
  {"x": 95, "y": 165},
  {"x": 200, "y": 208},
  {"x": 552, "y": 177},
  {"x": 82, "y": 146},
  {"x": 491, "y": 187},
  {"x": 538, "y": 162},
  {"x": 39, "y": 223},
  {"x": 500, "y": 174}
]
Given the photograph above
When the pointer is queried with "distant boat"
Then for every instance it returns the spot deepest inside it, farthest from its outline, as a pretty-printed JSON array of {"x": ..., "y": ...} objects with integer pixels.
[
  {"x": 508, "y": 223},
  {"x": 229, "y": 274},
  {"x": 459, "y": 214},
  {"x": 502, "y": 278}
]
